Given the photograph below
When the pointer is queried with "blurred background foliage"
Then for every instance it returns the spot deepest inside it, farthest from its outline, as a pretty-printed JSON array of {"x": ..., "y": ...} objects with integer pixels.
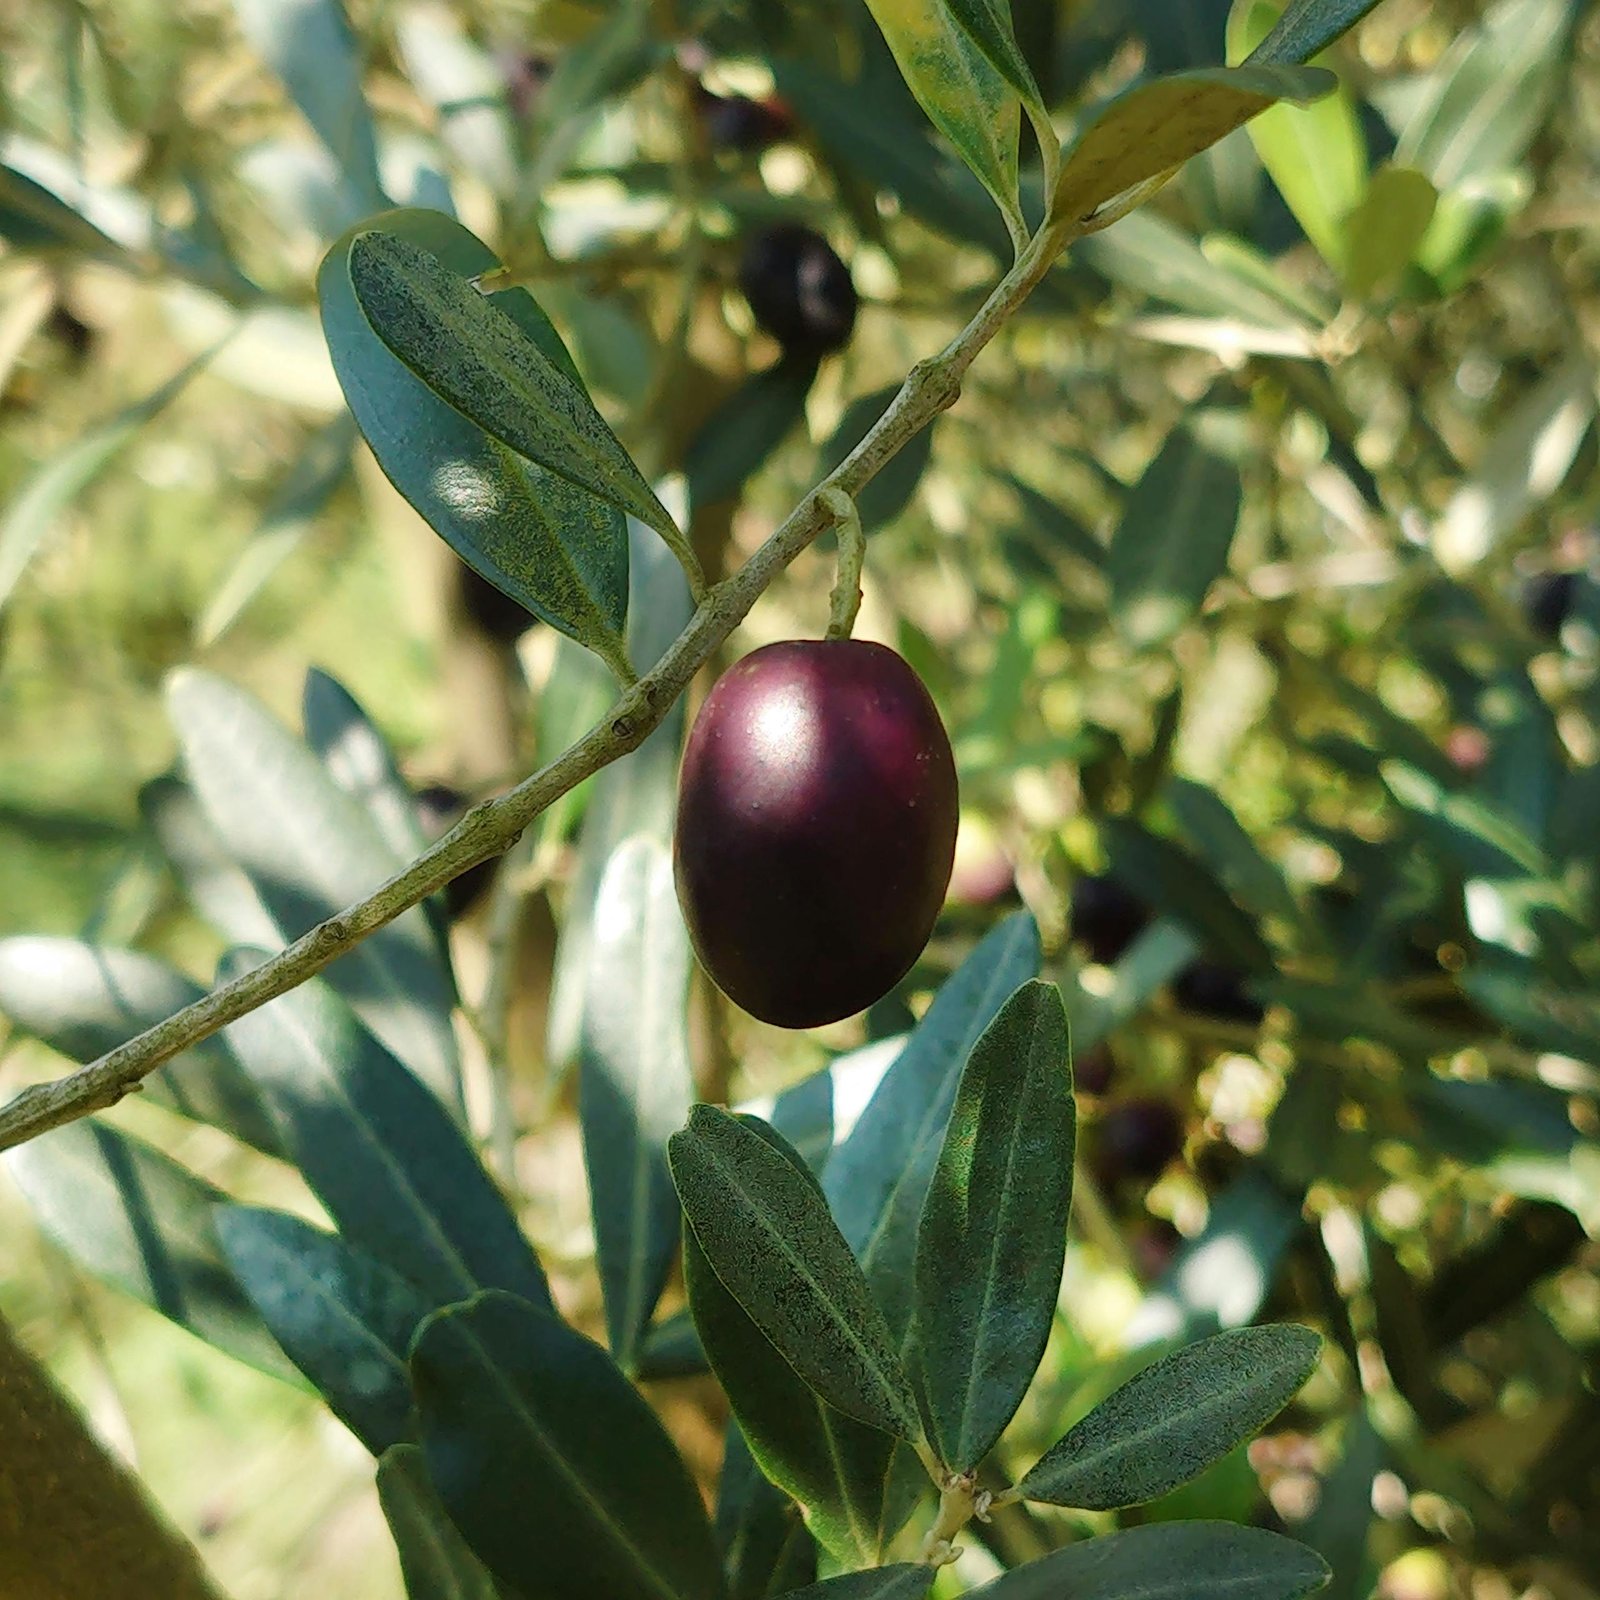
[{"x": 1255, "y": 575}]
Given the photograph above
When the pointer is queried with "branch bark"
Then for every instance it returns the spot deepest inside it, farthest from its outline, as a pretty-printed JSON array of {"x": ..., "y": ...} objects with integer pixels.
[{"x": 931, "y": 387}]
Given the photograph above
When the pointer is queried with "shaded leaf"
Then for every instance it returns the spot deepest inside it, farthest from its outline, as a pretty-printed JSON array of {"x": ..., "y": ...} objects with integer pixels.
[
  {"x": 765, "y": 1228},
  {"x": 966, "y": 98},
  {"x": 737, "y": 439},
  {"x": 1153, "y": 959},
  {"x": 384, "y": 1157},
  {"x": 135, "y": 1219},
  {"x": 634, "y": 1089},
  {"x": 1170, "y": 1561},
  {"x": 1156, "y": 126},
  {"x": 1172, "y": 541},
  {"x": 342, "y": 1317},
  {"x": 890, "y": 492},
  {"x": 312, "y": 850},
  {"x": 766, "y": 1549},
  {"x": 903, "y": 1581},
  {"x": 519, "y": 1410},
  {"x": 1176, "y": 1418},
  {"x": 877, "y": 1180},
  {"x": 555, "y": 549},
  {"x": 86, "y": 999},
  {"x": 436, "y": 1561},
  {"x": 994, "y": 1229},
  {"x": 468, "y": 350}
]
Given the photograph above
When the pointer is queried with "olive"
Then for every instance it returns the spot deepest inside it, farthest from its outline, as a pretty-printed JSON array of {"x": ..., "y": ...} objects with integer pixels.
[
  {"x": 816, "y": 828},
  {"x": 1209, "y": 989},
  {"x": 1136, "y": 1139},
  {"x": 490, "y": 610},
  {"x": 1547, "y": 601},
  {"x": 733, "y": 122},
  {"x": 1107, "y": 916},
  {"x": 799, "y": 290}
]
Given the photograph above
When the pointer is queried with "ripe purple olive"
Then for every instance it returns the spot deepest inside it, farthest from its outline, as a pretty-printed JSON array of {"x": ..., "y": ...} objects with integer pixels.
[
  {"x": 798, "y": 289},
  {"x": 816, "y": 828}
]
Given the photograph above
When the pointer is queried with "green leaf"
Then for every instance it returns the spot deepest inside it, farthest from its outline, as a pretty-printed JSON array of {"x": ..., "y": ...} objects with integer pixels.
[
  {"x": 767, "y": 1232},
  {"x": 1386, "y": 229},
  {"x": 1491, "y": 94},
  {"x": 1216, "y": 835},
  {"x": 381, "y": 1153},
  {"x": 636, "y": 795},
  {"x": 312, "y": 480},
  {"x": 877, "y": 1180},
  {"x": 1155, "y": 958},
  {"x": 1307, "y": 28},
  {"x": 988, "y": 24},
  {"x": 311, "y": 850},
  {"x": 216, "y": 885},
  {"x": 903, "y": 1581},
  {"x": 634, "y": 1089},
  {"x": 310, "y": 46},
  {"x": 1176, "y": 1418},
  {"x": 966, "y": 99},
  {"x": 994, "y": 1229},
  {"x": 436, "y": 1561},
  {"x": 737, "y": 439},
  {"x": 85, "y": 999},
  {"x": 35, "y": 507},
  {"x": 890, "y": 492},
  {"x": 1173, "y": 539},
  {"x": 1154, "y": 127},
  {"x": 766, "y": 1549},
  {"x": 343, "y": 1318},
  {"x": 33, "y": 218},
  {"x": 138, "y": 1221},
  {"x": 519, "y": 1411},
  {"x": 468, "y": 350},
  {"x": 841, "y": 1472},
  {"x": 1317, "y": 156},
  {"x": 1170, "y": 1561},
  {"x": 555, "y": 549}
]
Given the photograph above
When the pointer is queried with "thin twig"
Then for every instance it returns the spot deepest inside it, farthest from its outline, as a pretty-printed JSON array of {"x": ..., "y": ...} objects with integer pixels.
[{"x": 931, "y": 387}]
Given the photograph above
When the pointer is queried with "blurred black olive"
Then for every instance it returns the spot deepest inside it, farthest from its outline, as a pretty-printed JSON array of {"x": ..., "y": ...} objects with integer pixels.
[
  {"x": 1209, "y": 989},
  {"x": 1093, "y": 1071},
  {"x": 733, "y": 122},
  {"x": 1136, "y": 1139},
  {"x": 1547, "y": 601},
  {"x": 439, "y": 809},
  {"x": 1106, "y": 916},
  {"x": 526, "y": 74},
  {"x": 798, "y": 289},
  {"x": 489, "y": 610}
]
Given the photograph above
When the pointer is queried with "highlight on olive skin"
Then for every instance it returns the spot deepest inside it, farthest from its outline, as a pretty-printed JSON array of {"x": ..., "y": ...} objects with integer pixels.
[
  {"x": 816, "y": 828},
  {"x": 799, "y": 290}
]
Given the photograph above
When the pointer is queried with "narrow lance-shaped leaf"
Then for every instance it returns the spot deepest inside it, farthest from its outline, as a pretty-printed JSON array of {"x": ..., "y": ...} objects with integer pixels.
[
  {"x": 903, "y": 1581},
  {"x": 855, "y": 1484},
  {"x": 1154, "y": 127},
  {"x": 393, "y": 1169},
  {"x": 436, "y": 1562},
  {"x": 85, "y": 999},
  {"x": 1175, "y": 1419},
  {"x": 342, "y": 1317},
  {"x": 311, "y": 850},
  {"x": 468, "y": 350},
  {"x": 518, "y": 1410},
  {"x": 967, "y": 100},
  {"x": 135, "y": 1219},
  {"x": 994, "y": 1228},
  {"x": 766, "y": 1230},
  {"x": 766, "y": 1548},
  {"x": 554, "y": 548},
  {"x": 877, "y": 1180},
  {"x": 635, "y": 1089},
  {"x": 1169, "y": 1561},
  {"x": 988, "y": 24},
  {"x": 1306, "y": 29}
]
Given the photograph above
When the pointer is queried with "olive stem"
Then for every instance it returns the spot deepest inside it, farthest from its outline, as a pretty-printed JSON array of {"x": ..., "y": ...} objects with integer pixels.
[
  {"x": 489, "y": 828},
  {"x": 845, "y": 602}
]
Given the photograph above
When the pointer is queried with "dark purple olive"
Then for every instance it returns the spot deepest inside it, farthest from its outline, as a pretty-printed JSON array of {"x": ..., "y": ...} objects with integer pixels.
[
  {"x": 1106, "y": 916},
  {"x": 1547, "y": 600},
  {"x": 798, "y": 289},
  {"x": 439, "y": 809},
  {"x": 816, "y": 828},
  {"x": 1136, "y": 1139},
  {"x": 1093, "y": 1071},
  {"x": 733, "y": 122},
  {"x": 1209, "y": 989},
  {"x": 490, "y": 610}
]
